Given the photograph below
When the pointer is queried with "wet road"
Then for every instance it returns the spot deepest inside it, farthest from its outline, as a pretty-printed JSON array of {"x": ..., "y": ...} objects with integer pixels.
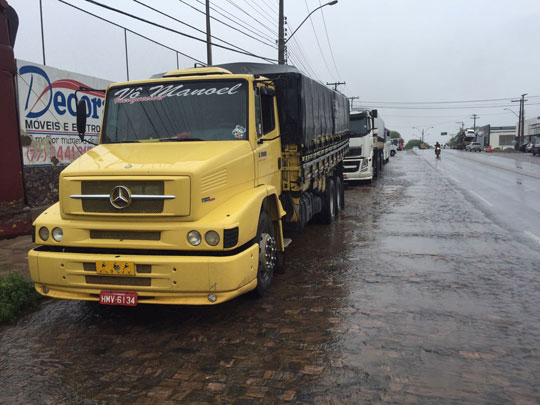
[
  {"x": 418, "y": 293},
  {"x": 506, "y": 185}
]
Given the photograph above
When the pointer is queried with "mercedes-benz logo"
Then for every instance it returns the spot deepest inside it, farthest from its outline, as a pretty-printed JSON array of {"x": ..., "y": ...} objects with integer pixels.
[{"x": 120, "y": 197}]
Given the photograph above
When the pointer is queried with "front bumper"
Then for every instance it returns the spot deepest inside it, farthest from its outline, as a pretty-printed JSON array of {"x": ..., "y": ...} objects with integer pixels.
[{"x": 159, "y": 279}]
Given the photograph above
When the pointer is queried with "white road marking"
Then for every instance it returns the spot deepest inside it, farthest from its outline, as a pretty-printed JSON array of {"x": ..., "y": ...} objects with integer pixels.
[
  {"x": 481, "y": 198},
  {"x": 453, "y": 178},
  {"x": 532, "y": 236}
]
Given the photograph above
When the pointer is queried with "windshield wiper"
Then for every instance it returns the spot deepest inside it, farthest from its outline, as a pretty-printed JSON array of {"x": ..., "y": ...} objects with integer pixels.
[
  {"x": 123, "y": 142},
  {"x": 179, "y": 139}
]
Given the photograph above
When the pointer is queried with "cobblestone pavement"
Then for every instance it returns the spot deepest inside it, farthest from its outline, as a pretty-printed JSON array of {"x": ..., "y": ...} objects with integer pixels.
[{"x": 411, "y": 296}]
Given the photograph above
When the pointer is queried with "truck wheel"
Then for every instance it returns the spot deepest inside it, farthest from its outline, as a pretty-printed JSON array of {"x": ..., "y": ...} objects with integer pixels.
[
  {"x": 340, "y": 193},
  {"x": 267, "y": 253},
  {"x": 329, "y": 204}
]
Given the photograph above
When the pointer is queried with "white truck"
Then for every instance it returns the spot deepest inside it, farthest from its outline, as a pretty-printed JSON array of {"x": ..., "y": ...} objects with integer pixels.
[{"x": 369, "y": 146}]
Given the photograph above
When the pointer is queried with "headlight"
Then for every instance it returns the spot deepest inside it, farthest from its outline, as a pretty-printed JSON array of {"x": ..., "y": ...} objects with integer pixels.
[
  {"x": 194, "y": 238},
  {"x": 212, "y": 238},
  {"x": 57, "y": 234},
  {"x": 364, "y": 165},
  {"x": 43, "y": 233}
]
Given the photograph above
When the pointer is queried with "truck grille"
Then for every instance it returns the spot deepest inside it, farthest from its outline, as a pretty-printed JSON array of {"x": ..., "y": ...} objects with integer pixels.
[
  {"x": 351, "y": 167},
  {"x": 125, "y": 235},
  {"x": 119, "y": 280},
  {"x": 143, "y": 206}
]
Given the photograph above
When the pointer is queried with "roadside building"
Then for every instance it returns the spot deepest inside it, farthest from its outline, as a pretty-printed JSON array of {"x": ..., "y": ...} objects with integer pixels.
[
  {"x": 531, "y": 129},
  {"x": 502, "y": 137}
]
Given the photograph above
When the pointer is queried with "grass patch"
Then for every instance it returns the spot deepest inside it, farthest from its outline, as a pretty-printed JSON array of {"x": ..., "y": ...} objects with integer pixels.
[{"x": 17, "y": 297}]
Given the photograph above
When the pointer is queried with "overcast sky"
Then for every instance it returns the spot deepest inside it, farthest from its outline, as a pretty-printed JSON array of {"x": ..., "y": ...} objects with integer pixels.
[{"x": 386, "y": 50}]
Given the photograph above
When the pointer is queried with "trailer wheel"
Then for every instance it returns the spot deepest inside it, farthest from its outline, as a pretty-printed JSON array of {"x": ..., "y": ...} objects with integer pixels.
[
  {"x": 267, "y": 253},
  {"x": 329, "y": 204},
  {"x": 340, "y": 193}
]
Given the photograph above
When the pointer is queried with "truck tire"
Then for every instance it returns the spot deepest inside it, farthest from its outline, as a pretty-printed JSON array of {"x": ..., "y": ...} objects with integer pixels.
[
  {"x": 340, "y": 193},
  {"x": 267, "y": 253},
  {"x": 329, "y": 202}
]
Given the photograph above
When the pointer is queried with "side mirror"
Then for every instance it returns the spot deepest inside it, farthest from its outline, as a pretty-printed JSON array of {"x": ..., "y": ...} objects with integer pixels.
[
  {"x": 374, "y": 113},
  {"x": 81, "y": 118}
]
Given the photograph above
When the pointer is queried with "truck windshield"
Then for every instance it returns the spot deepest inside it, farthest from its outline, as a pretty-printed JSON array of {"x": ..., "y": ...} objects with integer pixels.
[
  {"x": 187, "y": 111},
  {"x": 359, "y": 127}
]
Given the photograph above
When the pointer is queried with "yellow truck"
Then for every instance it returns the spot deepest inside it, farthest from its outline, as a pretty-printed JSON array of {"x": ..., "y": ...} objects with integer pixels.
[{"x": 185, "y": 198}]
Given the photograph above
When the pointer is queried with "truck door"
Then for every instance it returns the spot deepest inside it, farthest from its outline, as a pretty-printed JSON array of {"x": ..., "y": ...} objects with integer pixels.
[{"x": 268, "y": 150}]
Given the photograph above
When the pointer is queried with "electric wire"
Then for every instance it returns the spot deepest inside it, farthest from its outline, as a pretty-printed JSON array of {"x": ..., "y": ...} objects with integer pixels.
[
  {"x": 226, "y": 14},
  {"x": 298, "y": 61},
  {"x": 302, "y": 55},
  {"x": 445, "y": 102},
  {"x": 257, "y": 9},
  {"x": 328, "y": 40},
  {"x": 186, "y": 24},
  {"x": 131, "y": 31},
  {"x": 295, "y": 45},
  {"x": 175, "y": 31},
  {"x": 366, "y": 105},
  {"x": 232, "y": 27},
  {"x": 274, "y": 33},
  {"x": 273, "y": 9},
  {"x": 318, "y": 43}
]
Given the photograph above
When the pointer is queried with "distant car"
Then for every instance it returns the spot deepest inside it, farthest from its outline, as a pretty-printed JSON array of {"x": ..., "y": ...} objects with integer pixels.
[
  {"x": 475, "y": 147},
  {"x": 415, "y": 148},
  {"x": 536, "y": 146}
]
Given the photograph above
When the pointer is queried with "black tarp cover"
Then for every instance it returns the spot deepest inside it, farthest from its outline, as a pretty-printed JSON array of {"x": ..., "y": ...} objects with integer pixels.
[{"x": 307, "y": 109}]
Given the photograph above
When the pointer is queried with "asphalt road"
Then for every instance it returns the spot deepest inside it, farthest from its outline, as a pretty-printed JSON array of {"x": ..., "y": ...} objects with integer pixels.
[
  {"x": 506, "y": 186},
  {"x": 424, "y": 290}
]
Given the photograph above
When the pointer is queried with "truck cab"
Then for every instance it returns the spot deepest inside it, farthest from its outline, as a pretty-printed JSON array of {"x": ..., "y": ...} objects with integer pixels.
[{"x": 181, "y": 201}]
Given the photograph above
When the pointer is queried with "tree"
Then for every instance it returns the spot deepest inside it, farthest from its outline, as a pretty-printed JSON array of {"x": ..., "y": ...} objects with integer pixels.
[
  {"x": 417, "y": 142},
  {"x": 395, "y": 134},
  {"x": 412, "y": 143}
]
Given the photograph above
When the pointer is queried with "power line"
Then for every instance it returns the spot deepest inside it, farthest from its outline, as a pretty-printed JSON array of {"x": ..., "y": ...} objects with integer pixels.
[
  {"x": 313, "y": 73},
  {"x": 440, "y": 108},
  {"x": 186, "y": 24},
  {"x": 175, "y": 31},
  {"x": 318, "y": 43},
  {"x": 128, "y": 30},
  {"x": 263, "y": 14},
  {"x": 250, "y": 16},
  {"x": 230, "y": 26},
  {"x": 328, "y": 40},
  {"x": 442, "y": 102},
  {"x": 271, "y": 8}
]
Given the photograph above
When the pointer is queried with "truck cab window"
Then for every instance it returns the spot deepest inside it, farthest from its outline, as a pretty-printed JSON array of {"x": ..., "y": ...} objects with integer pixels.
[
  {"x": 268, "y": 118},
  {"x": 258, "y": 123}
]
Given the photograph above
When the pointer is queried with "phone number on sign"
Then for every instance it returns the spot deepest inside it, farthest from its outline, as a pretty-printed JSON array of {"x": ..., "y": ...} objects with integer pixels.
[{"x": 63, "y": 153}]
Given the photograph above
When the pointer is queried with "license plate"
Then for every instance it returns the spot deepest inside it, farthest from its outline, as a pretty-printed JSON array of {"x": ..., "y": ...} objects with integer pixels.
[
  {"x": 127, "y": 298},
  {"x": 117, "y": 268}
]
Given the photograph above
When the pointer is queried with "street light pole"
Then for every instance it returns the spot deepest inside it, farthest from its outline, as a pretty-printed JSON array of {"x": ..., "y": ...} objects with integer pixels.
[
  {"x": 208, "y": 36},
  {"x": 521, "y": 123},
  {"x": 422, "y": 131},
  {"x": 281, "y": 31}
]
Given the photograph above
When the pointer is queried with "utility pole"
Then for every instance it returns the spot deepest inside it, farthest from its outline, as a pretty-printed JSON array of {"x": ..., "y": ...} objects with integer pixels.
[
  {"x": 462, "y": 124},
  {"x": 281, "y": 35},
  {"x": 521, "y": 122},
  {"x": 208, "y": 36},
  {"x": 352, "y": 101},
  {"x": 474, "y": 117},
  {"x": 335, "y": 84}
]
